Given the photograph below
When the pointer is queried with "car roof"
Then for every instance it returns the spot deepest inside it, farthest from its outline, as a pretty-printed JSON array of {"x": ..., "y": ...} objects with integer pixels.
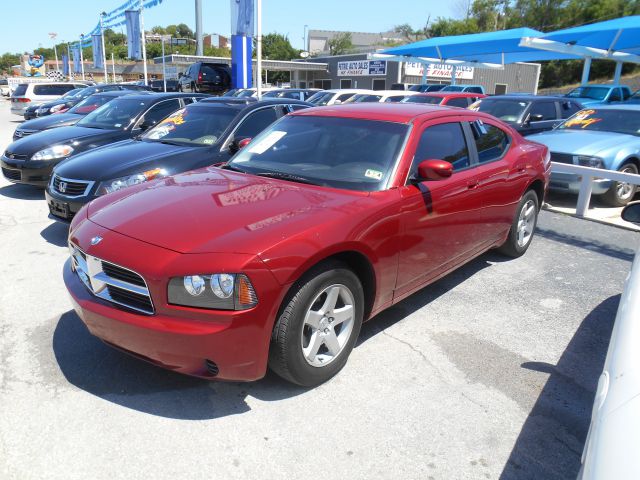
[
  {"x": 450, "y": 94},
  {"x": 617, "y": 106},
  {"x": 386, "y": 112},
  {"x": 116, "y": 93},
  {"x": 347, "y": 90},
  {"x": 239, "y": 103},
  {"x": 526, "y": 98}
]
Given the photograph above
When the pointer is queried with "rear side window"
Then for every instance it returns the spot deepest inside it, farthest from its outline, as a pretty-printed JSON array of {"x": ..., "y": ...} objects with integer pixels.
[
  {"x": 443, "y": 142},
  {"x": 256, "y": 122},
  {"x": 52, "y": 89},
  {"x": 491, "y": 142},
  {"x": 20, "y": 90},
  {"x": 546, "y": 109},
  {"x": 457, "y": 102},
  {"x": 568, "y": 108}
]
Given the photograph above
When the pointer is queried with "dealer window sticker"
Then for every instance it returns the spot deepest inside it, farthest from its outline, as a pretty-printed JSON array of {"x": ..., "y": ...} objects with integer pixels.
[
  {"x": 267, "y": 142},
  {"x": 375, "y": 174}
]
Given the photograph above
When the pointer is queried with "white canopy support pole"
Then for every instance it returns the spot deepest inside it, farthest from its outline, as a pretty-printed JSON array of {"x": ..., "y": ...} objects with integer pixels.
[
  {"x": 618, "y": 73},
  {"x": 453, "y": 75},
  {"x": 424, "y": 74},
  {"x": 578, "y": 50},
  {"x": 585, "y": 71},
  {"x": 259, "y": 47},
  {"x": 144, "y": 45},
  {"x": 82, "y": 56}
]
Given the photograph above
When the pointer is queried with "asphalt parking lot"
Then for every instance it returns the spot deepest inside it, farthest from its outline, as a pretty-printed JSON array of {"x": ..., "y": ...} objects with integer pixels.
[{"x": 489, "y": 373}]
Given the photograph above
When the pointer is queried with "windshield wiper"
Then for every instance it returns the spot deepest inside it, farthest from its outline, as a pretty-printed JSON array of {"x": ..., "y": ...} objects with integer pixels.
[
  {"x": 169, "y": 142},
  {"x": 228, "y": 166},
  {"x": 286, "y": 176}
]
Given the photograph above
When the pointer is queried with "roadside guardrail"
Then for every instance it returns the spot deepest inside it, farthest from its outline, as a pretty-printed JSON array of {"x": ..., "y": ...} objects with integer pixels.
[{"x": 586, "y": 185}]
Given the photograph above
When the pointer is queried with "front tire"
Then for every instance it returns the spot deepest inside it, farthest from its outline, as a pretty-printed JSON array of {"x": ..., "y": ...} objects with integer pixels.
[
  {"x": 318, "y": 326},
  {"x": 523, "y": 226},
  {"x": 620, "y": 193}
]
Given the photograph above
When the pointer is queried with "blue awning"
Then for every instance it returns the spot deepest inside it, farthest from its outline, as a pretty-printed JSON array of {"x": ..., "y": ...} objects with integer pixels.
[
  {"x": 620, "y": 34},
  {"x": 490, "y": 47}
]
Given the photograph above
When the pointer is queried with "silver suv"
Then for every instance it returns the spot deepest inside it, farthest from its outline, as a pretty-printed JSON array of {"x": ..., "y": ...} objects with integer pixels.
[{"x": 28, "y": 94}]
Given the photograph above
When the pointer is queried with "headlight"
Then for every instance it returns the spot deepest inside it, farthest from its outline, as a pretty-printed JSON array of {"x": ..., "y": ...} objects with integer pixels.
[
  {"x": 123, "y": 182},
  {"x": 227, "y": 291},
  {"x": 51, "y": 153},
  {"x": 587, "y": 161}
]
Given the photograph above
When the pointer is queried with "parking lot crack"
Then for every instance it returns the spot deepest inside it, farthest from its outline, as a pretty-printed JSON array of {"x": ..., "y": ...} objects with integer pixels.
[{"x": 418, "y": 351}]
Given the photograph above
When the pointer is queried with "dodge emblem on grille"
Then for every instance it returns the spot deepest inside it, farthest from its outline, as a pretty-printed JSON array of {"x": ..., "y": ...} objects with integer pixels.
[
  {"x": 96, "y": 240},
  {"x": 62, "y": 187}
]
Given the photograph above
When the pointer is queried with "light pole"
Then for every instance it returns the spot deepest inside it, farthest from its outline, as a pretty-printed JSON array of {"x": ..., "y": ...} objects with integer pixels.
[
  {"x": 82, "y": 56},
  {"x": 304, "y": 39},
  {"x": 69, "y": 59},
  {"x": 144, "y": 45},
  {"x": 53, "y": 36},
  {"x": 104, "y": 52},
  {"x": 259, "y": 48}
]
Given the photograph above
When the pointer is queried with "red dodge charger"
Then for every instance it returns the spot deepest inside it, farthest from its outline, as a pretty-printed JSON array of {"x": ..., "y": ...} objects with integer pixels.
[{"x": 325, "y": 219}]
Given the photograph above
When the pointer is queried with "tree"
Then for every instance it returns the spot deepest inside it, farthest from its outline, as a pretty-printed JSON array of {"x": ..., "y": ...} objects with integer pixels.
[
  {"x": 276, "y": 46},
  {"x": 183, "y": 31},
  {"x": 340, "y": 44},
  {"x": 7, "y": 60}
]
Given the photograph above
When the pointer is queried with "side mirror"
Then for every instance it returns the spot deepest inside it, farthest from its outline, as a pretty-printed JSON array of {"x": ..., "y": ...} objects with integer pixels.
[
  {"x": 180, "y": 75},
  {"x": 535, "y": 117},
  {"x": 434, "y": 170},
  {"x": 146, "y": 125},
  {"x": 631, "y": 213},
  {"x": 238, "y": 144},
  {"x": 337, "y": 102}
]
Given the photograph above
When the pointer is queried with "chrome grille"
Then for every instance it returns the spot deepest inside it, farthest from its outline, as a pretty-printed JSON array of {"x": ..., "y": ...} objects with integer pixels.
[
  {"x": 112, "y": 282},
  {"x": 15, "y": 156},
  {"x": 23, "y": 133},
  {"x": 561, "y": 157},
  {"x": 70, "y": 187}
]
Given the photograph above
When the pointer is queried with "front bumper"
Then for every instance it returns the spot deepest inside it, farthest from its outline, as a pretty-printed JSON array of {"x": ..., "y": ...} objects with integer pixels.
[
  {"x": 62, "y": 208},
  {"x": 182, "y": 339},
  {"x": 28, "y": 172},
  {"x": 570, "y": 182}
]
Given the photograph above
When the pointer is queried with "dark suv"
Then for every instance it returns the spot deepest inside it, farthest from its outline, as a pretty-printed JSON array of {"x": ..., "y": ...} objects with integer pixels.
[{"x": 204, "y": 77}]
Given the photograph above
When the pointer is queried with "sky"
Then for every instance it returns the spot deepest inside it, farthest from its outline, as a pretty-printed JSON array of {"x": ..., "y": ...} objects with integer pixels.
[{"x": 70, "y": 18}]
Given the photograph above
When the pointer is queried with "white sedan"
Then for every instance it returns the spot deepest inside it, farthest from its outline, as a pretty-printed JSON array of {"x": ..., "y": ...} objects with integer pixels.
[{"x": 613, "y": 442}]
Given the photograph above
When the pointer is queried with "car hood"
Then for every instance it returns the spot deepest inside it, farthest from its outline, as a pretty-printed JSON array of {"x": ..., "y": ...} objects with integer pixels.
[
  {"x": 126, "y": 158},
  {"x": 214, "y": 210},
  {"x": 583, "y": 142},
  {"x": 50, "y": 121},
  {"x": 46, "y": 138}
]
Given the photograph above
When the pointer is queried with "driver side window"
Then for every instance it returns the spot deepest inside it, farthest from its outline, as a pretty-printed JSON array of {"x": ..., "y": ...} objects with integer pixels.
[
  {"x": 256, "y": 122},
  {"x": 445, "y": 141}
]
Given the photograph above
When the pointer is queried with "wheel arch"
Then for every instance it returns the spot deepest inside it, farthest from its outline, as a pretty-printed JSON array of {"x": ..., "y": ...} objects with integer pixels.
[
  {"x": 538, "y": 187},
  {"x": 631, "y": 159}
]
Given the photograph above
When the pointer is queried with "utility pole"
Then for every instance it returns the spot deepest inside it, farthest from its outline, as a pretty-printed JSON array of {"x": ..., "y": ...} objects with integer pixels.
[
  {"x": 113, "y": 67},
  {"x": 144, "y": 45},
  {"x": 199, "y": 47},
  {"x": 259, "y": 48},
  {"x": 53, "y": 36},
  {"x": 104, "y": 52}
]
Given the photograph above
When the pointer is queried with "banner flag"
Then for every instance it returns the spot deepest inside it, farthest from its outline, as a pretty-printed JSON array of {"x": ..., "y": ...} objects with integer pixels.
[
  {"x": 242, "y": 17},
  {"x": 75, "y": 53},
  {"x": 96, "y": 42},
  {"x": 133, "y": 34},
  {"x": 65, "y": 65}
]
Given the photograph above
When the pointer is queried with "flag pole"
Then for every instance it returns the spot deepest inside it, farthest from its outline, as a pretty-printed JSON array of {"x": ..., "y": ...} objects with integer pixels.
[{"x": 259, "y": 48}]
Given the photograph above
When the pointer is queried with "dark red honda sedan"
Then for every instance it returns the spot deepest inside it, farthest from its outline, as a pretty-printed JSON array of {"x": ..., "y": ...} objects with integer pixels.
[{"x": 324, "y": 220}]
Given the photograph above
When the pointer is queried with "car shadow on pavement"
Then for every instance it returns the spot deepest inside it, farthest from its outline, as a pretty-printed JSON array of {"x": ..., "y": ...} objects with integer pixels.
[
  {"x": 550, "y": 443},
  {"x": 609, "y": 250},
  {"x": 22, "y": 192},
  {"x": 56, "y": 234},
  {"x": 105, "y": 372},
  {"x": 423, "y": 297}
]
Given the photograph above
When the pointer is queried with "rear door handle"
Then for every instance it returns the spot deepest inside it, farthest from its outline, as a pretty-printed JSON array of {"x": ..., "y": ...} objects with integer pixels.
[{"x": 471, "y": 184}]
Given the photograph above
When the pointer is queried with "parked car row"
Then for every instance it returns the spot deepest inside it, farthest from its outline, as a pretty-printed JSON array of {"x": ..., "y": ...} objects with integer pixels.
[{"x": 217, "y": 236}]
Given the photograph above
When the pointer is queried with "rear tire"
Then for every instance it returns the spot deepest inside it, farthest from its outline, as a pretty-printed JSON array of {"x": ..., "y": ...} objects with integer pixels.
[
  {"x": 318, "y": 326},
  {"x": 620, "y": 193},
  {"x": 523, "y": 226}
]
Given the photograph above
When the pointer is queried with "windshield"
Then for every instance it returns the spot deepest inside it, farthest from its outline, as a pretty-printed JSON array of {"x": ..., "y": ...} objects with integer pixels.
[
  {"x": 197, "y": 126},
  {"x": 116, "y": 115},
  {"x": 343, "y": 153},
  {"x": 364, "y": 98},
  {"x": 89, "y": 104},
  {"x": 272, "y": 93},
  {"x": 605, "y": 120},
  {"x": 596, "y": 93},
  {"x": 320, "y": 98},
  {"x": 244, "y": 93},
  {"x": 75, "y": 93},
  {"x": 506, "y": 110},
  {"x": 453, "y": 88},
  {"x": 422, "y": 99}
]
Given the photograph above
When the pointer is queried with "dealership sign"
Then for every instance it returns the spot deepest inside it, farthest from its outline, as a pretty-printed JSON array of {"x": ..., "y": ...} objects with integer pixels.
[
  {"x": 360, "y": 68},
  {"x": 438, "y": 70}
]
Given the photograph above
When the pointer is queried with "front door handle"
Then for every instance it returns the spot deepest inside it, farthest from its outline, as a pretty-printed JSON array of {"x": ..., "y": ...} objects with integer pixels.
[{"x": 471, "y": 184}]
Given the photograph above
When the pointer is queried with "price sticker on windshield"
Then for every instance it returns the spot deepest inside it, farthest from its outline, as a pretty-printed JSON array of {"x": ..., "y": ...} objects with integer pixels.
[
  {"x": 375, "y": 174},
  {"x": 267, "y": 142}
]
